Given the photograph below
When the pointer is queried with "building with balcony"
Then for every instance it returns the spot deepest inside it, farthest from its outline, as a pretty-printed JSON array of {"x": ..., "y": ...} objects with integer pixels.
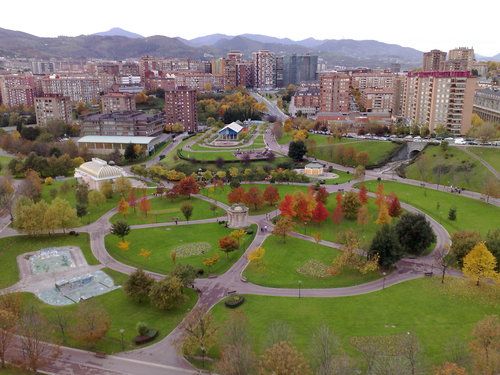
[
  {"x": 334, "y": 92},
  {"x": 117, "y": 102},
  {"x": 487, "y": 104},
  {"x": 52, "y": 107},
  {"x": 125, "y": 123}
]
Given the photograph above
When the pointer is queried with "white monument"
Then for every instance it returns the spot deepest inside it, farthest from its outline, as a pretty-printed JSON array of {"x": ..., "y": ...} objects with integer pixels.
[{"x": 237, "y": 216}]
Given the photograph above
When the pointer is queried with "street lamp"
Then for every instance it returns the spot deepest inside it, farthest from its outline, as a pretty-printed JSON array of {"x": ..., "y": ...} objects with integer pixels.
[
  {"x": 300, "y": 284},
  {"x": 305, "y": 228},
  {"x": 122, "y": 331},
  {"x": 383, "y": 284}
]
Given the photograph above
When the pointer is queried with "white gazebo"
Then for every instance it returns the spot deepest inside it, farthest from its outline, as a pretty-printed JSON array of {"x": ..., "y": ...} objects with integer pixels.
[
  {"x": 313, "y": 169},
  {"x": 96, "y": 171}
]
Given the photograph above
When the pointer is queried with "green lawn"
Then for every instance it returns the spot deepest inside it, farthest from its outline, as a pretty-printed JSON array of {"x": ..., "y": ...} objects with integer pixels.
[
  {"x": 124, "y": 314},
  {"x": 257, "y": 143},
  {"x": 458, "y": 168},
  {"x": 93, "y": 213},
  {"x": 163, "y": 210},
  {"x": 472, "y": 214},
  {"x": 209, "y": 155},
  {"x": 161, "y": 241},
  {"x": 285, "y": 139},
  {"x": 422, "y": 306},
  {"x": 11, "y": 247},
  {"x": 377, "y": 150},
  {"x": 488, "y": 154},
  {"x": 279, "y": 267},
  {"x": 4, "y": 162},
  {"x": 220, "y": 194}
]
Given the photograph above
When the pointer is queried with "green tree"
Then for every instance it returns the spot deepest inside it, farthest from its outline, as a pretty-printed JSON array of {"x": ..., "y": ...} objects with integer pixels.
[
  {"x": 96, "y": 198},
  {"x": 414, "y": 233},
  {"x": 167, "y": 294},
  {"x": 120, "y": 229},
  {"x": 350, "y": 205},
  {"x": 386, "y": 245},
  {"x": 82, "y": 194},
  {"x": 185, "y": 272},
  {"x": 138, "y": 286},
  {"x": 461, "y": 243},
  {"x": 187, "y": 210},
  {"x": 297, "y": 150},
  {"x": 493, "y": 244},
  {"x": 129, "y": 153},
  {"x": 452, "y": 214},
  {"x": 106, "y": 189}
]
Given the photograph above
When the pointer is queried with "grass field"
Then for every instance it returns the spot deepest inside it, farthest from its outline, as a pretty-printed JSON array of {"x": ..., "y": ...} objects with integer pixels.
[
  {"x": 279, "y": 267},
  {"x": 220, "y": 194},
  {"x": 11, "y": 247},
  {"x": 161, "y": 241},
  {"x": 4, "y": 162},
  {"x": 93, "y": 213},
  {"x": 422, "y": 306},
  {"x": 488, "y": 154},
  {"x": 209, "y": 155},
  {"x": 257, "y": 143},
  {"x": 163, "y": 210},
  {"x": 472, "y": 214},
  {"x": 458, "y": 168},
  {"x": 123, "y": 313}
]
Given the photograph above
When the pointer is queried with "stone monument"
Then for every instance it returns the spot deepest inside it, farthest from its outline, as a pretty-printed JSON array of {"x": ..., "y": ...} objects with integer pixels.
[{"x": 237, "y": 216}]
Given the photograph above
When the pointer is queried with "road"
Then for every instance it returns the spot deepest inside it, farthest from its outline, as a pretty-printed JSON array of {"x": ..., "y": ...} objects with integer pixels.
[{"x": 272, "y": 109}]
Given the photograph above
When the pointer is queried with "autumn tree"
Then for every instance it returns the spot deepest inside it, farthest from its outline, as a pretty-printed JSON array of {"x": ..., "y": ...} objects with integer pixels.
[
  {"x": 96, "y": 198},
  {"x": 31, "y": 186},
  {"x": 132, "y": 199},
  {"x": 106, "y": 189},
  {"x": 120, "y": 229},
  {"x": 187, "y": 186},
  {"x": 145, "y": 205},
  {"x": 123, "y": 207},
  {"x": 8, "y": 326},
  {"x": 6, "y": 194},
  {"x": 363, "y": 194},
  {"x": 320, "y": 213},
  {"x": 283, "y": 227},
  {"x": 61, "y": 215},
  {"x": 394, "y": 208},
  {"x": 253, "y": 198},
  {"x": 485, "y": 346},
  {"x": 237, "y": 356},
  {"x": 256, "y": 255},
  {"x": 122, "y": 186},
  {"x": 211, "y": 261},
  {"x": 479, "y": 263},
  {"x": 363, "y": 217},
  {"x": 228, "y": 244},
  {"x": 34, "y": 333},
  {"x": 383, "y": 214},
  {"x": 138, "y": 286},
  {"x": 186, "y": 274},
  {"x": 238, "y": 234},
  {"x": 491, "y": 188},
  {"x": 167, "y": 293},
  {"x": 350, "y": 205},
  {"x": 462, "y": 242},
  {"x": 92, "y": 323},
  {"x": 236, "y": 195},
  {"x": 304, "y": 206},
  {"x": 187, "y": 210},
  {"x": 380, "y": 195},
  {"x": 199, "y": 332},
  {"x": 338, "y": 213},
  {"x": 82, "y": 194},
  {"x": 283, "y": 359},
  {"x": 321, "y": 195},
  {"x": 415, "y": 233},
  {"x": 449, "y": 368},
  {"x": 271, "y": 195},
  {"x": 287, "y": 206}
]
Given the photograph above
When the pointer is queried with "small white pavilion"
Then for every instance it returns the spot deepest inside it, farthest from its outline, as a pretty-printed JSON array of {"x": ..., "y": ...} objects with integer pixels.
[{"x": 96, "y": 171}]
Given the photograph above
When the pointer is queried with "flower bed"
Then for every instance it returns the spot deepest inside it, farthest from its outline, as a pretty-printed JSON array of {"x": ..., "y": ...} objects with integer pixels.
[
  {"x": 234, "y": 301},
  {"x": 314, "y": 268},
  {"x": 149, "y": 336},
  {"x": 192, "y": 249}
]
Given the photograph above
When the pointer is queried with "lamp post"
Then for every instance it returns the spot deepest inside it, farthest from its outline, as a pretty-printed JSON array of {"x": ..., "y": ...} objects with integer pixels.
[
  {"x": 122, "y": 331},
  {"x": 383, "y": 283},
  {"x": 300, "y": 284}
]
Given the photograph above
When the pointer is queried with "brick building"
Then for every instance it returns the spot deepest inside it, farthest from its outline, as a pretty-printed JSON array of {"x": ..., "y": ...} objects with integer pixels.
[
  {"x": 180, "y": 106},
  {"x": 77, "y": 88},
  {"x": 126, "y": 123},
  {"x": 52, "y": 107},
  {"x": 117, "y": 102},
  {"x": 17, "y": 89},
  {"x": 334, "y": 92}
]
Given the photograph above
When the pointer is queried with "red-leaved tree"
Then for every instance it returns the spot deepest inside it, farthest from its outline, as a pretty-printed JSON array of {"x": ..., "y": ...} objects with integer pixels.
[
  {"x": 287, "y": 206},
  {"x": 187, "y": 186},
  {"x": 304, "y": 206},
  {"x": 237, "y": 195},
  {"x": 338, "y": 214},
  {"x": 380, "y": 199},
  {"x": 363, "y": 194},
  {"x": 320, "y": 213},
  {"x": 145, "y": 205},
  {"x": 394, "y": 205},
  {"x": 132, "y": 199},
  {"x": 253, "y": 198},
  {"x": 271, "y": 195},
  {"x": 321, "y": 195}
]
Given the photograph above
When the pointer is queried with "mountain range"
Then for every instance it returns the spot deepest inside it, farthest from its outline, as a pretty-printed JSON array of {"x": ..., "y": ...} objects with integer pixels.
[{"x": 117, "y": 43}]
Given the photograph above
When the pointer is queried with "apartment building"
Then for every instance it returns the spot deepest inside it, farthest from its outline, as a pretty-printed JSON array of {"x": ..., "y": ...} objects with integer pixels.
[
  {"x": 244, "y": 74},
  {"x": 231, "y": 68},
  {"x": 299, "y": 68},
  {"x": 373, "y": 80},
  {"x": 42, "y": 67},
  {"x": 378, "y": 100},
  {"x": 17, "y": 89},
  {"x": 334, "y": 92},
  {"x": 77, "y": 88},
  {"x": 264, "y": 63},
  {"x": 52, "y": 107},
  {"x": 433, "y": 60},
  {"x": 126, "y": 123},
  {"x": 117, "y": 102},
  {"x": 306, "y": 100},
  {"x": 440, "y": 98},
  {"x": 180, "y": 106},
  {"x": 487, "y": 104}
]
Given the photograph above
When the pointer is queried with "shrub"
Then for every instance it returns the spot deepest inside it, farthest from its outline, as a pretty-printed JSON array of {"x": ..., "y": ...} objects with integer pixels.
[
  {"x": 452, "y": 214},
  {"x": 234, "y": 301},
  {"x": 142, "y": 328}
]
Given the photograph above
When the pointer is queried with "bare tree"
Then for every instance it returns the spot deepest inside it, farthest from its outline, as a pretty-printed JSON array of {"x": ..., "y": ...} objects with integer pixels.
[
  {"x": 34, "y": 331},
  {"x": 8, "y": 326},
  {"x": 443, "y": 260},
  {"x": 60, "y": 321},
  {"x": 324, "y": 347},
  {"x": 278, "y": 331},
  {"x": 409, "y": 349}
]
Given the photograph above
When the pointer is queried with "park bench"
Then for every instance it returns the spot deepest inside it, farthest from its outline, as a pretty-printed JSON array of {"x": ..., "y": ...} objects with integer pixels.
[
  {"x": 428, "y": 274},
  {"x": 100, "y": 354}
]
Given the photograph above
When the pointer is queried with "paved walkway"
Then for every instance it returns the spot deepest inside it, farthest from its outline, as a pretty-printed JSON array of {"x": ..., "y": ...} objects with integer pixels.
[{"x": 482, "y": 161}]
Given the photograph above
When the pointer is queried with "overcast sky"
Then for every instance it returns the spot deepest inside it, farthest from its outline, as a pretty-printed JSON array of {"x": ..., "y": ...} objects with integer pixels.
[{"x": 422, "y": 24}]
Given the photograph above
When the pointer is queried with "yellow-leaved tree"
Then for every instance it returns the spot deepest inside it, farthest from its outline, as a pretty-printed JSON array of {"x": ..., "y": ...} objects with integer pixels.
[
  {"x": 479, "y": 263},
  {"x": 256, "y": 254}
]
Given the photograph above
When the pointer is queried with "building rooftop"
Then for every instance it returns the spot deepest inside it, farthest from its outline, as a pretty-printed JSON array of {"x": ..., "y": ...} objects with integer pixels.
[
  {"x": 234, "y": 126},
  {"x": 116, "y": 139},
  {"x": 314, "y": 166},
  {"x": 122, "y": 116},
  {"x": 489, "y": 92},
  {"x": 99, "y": 168}
]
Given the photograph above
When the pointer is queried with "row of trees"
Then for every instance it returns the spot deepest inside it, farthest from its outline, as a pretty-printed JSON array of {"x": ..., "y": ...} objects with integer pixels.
[
  {"x": 254, "y": 197},
  {"x": 462, "y": 243},
  {"x": 55, "y": 165},
  {"x": 393, "y": 354}
]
